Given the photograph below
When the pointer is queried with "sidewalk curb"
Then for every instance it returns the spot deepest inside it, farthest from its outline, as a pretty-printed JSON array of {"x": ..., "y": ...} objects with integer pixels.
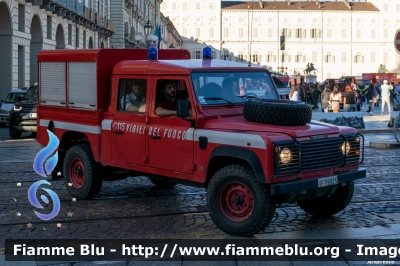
[
  {"x": 384, "y": 145},
  {"x": 380, "y": 130}
]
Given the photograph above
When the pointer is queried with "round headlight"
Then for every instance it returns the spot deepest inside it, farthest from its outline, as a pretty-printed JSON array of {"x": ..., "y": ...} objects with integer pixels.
[
  {"x": 346, "y": 148},
  {"x": 286, "y": 156}
]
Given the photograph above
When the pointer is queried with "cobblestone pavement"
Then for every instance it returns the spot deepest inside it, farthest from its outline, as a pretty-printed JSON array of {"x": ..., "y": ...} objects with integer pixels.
[{"x": 134, "y": 208}]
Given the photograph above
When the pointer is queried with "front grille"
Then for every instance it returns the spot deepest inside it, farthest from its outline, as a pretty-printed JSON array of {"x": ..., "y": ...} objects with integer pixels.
[
  {"x": 28, "y": 109},
  {"x": 318, "y": 154}
]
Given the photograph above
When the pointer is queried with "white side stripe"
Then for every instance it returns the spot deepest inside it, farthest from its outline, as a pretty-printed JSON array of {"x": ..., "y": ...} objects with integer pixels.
[
  {"x": 106, "y": 124},
  {"x": 72, "y": 126},
  {"x": 229, "y": 138}
]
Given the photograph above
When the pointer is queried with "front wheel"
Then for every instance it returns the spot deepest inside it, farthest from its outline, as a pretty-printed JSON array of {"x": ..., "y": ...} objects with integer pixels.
[
  {"x": 81, "y": 172},
  {"x": 238, "y": 203},
  {"x": 334, "y": 203},
  {"x": 396, "y": 128}
]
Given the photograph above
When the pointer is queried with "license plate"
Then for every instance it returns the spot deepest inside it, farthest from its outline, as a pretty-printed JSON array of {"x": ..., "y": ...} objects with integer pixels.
[
  {"x": 327, "y": 181},
  {"x": 32, "y": 115}
]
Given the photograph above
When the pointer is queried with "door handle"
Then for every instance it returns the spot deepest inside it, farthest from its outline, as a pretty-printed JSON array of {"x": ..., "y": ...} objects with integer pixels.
[
  {"x": 118, "y": 132},
  {"x": 155, "y": 137}
]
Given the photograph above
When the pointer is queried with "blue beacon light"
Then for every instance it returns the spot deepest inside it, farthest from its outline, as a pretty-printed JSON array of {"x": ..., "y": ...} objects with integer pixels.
[
  {"x": 207, "y": 53},
  {"x": 152, "y": 53}
]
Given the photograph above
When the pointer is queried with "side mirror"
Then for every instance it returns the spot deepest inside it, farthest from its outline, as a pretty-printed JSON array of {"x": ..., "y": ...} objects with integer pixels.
[{"x": 182, "y": 107}]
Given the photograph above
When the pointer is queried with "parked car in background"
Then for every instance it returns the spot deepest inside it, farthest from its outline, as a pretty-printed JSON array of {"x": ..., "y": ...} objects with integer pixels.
[
  {"x": 23, "y": 114},
  {"x": 8, "y": 103}
]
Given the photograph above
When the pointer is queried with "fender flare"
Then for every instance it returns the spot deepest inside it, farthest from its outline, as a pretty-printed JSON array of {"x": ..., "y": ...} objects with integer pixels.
[{"x": 240, "y": 153}]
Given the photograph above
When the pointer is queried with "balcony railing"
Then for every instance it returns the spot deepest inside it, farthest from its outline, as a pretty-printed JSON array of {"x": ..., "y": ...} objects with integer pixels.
[{"x": 85, "y": 13}]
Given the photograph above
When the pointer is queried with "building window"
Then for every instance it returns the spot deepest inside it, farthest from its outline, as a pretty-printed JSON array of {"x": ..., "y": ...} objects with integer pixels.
[
  {"x": 343, "y": 20},
  {"x": 358, "y": 33},
  {"x": 211, "y": 33},
  {"x": 397, "y": 7},
  {"x": 198, "y": 55},
  {"x": 385, "y": 7},
  {"x": 84, "y": 39},
  {"x": 298, "y": 33},
  {"x": 226, "y": 55},
  {"x": 241, "y": 33},
  {"x": 299, "y": 58},
  {"x": 197, "y": 5},
  {"x": 385, "y": 58},
  {"x": 185, "y": 6},
  {"x": 329, "y": 33},
  {"x": 269, "y": 20},
  {"x": 344, "y": 33},
  {"x": 197, "y": 19},
  {"x": 358, "y": 58},
  {"x": 372, "y": 57},
  {"x": 314, "y": 56},
  {"x": 270, "y": 33},
  {"x": 49, "y": 27},
  {"x": 255, "y": 33},
  {"x": 77, "y": 38},
  {"x": 69, "y": 34},
  {"x": 255, "y": 57},
  {"x": 385, "y": 33},
  {"x": 271, "y": 58},
  {"x": 285, "y": 32},
  {"x": 173, "y": 6},
  {"x": 226, "y": 30},
  {"x": 329, "y": 58},
  {"x": 198, "y": 33},
  {"x": 21, "y": 18},
  {"x": 240, "y": 56},
  {"x": 373, "y": 34},
  {"x": 211, "y": 20},
  {"x": 184, "y": 32},
  {"x": 313, "y": 33},
  {"x": 211, "y": 6},
  {"x": 343, "y": 57}
]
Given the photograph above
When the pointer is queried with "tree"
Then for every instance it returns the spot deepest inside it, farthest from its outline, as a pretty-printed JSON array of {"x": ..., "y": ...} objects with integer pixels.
[{"x": 382, "y": 69}]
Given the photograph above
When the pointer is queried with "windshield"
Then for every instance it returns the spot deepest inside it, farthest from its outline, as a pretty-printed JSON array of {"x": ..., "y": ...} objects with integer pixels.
[
  {"x": 12, "y": 97},
  {"x": 227, "y": 87},
  {"x": 31, "y": 94}
]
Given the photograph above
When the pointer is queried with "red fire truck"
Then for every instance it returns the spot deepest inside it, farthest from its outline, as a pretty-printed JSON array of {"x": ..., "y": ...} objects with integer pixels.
[{"x": 249, "y": 153}]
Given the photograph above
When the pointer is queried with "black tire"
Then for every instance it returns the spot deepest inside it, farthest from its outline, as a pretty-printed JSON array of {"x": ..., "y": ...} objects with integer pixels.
[
  {"x": 325, "y": 207},
  {"x": 396, "y": 128},
  {"x": 277, "y": 112},
  {"x": 161, "y": 183},
  {"x": 82, "y": 171},
  {"x": 14, "y": 134},
  {"x": 238, "y": 203}
]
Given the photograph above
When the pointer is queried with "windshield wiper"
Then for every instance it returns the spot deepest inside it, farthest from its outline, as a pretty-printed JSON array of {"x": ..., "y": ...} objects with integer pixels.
[{"x": 218, "y": 99}]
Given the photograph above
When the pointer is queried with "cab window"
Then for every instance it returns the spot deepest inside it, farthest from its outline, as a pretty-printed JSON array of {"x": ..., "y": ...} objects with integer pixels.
[{"x": 132, "y": 95}]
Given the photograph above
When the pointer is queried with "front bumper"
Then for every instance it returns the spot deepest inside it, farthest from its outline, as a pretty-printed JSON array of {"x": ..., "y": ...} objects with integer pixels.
[
  {"x": 4, "y": 118},
  {"x": 302, "y": 185}
]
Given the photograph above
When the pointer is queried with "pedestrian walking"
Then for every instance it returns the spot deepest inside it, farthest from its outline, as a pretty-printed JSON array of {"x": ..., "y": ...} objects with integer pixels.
[
  {"x": 385, "y": 92},
  {"x": 371, "y": 98},
  {"x": 349, "y": 101},
  {"x": 335, "y": 99},
  {"x": 325, "y": 97}
]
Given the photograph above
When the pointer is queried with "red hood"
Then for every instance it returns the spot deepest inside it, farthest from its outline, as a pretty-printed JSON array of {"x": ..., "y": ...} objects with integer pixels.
[{"x": 238, "y": 123}]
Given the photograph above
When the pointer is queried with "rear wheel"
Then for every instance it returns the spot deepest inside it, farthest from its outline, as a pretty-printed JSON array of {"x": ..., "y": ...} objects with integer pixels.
[
  {"x": 14, "y": 134},
  {"x": 396, "y": 128},
  {"x": 81, "y": 172},
  {"x": 238, "y": 203},
  {"x": 334, "y": 203}
]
